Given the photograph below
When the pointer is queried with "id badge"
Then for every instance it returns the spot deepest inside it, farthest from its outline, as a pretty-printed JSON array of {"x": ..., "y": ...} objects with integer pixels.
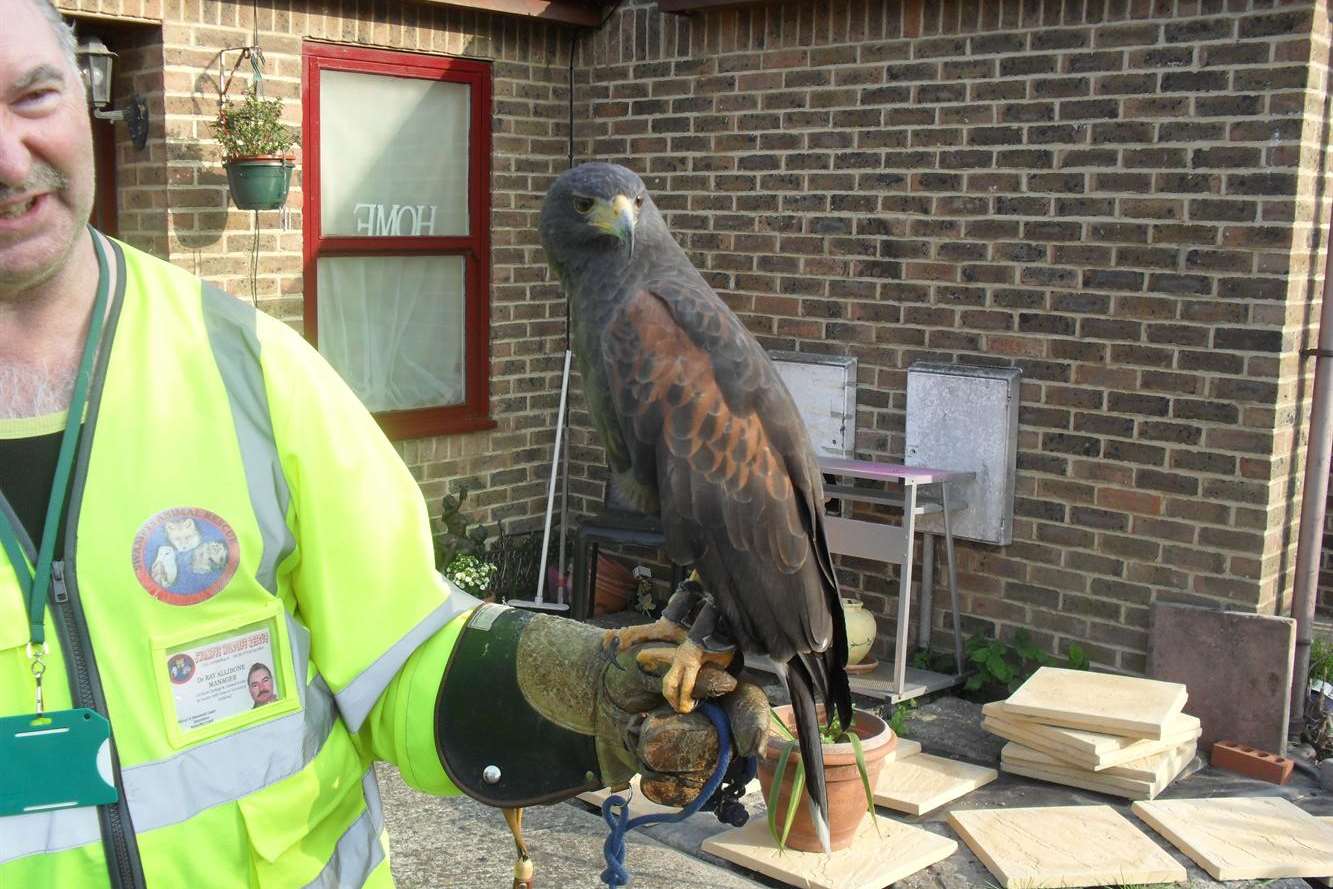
[{"x": 59, "y": 760}]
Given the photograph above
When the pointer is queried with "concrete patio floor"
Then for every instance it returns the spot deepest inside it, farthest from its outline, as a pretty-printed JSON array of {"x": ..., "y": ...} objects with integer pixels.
[{"x": 459, "y": 844}]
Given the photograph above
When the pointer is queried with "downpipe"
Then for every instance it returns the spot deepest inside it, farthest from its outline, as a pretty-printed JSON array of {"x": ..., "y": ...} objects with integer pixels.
[{"x": 1314, "y": 496}]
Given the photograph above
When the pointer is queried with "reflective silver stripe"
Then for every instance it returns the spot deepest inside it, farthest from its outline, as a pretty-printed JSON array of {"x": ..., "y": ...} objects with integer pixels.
[
  {"x": 231, "y": 326},
  {"x": 22, "y": 835},
  {"x": 360, "y": 695},
  {"x": 359, "y": 850},
  {"x": 172, "y": 790}
]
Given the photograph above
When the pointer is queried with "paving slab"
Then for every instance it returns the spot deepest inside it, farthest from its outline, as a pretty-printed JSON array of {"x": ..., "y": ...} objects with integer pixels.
[
  {"x": 1059, "y": 846},
  {"x": 882, "y": 852},
  {"x": 1244, "y": 838},
  {"x": 951, "y": 727},
  {"x": 458, "y": 844},
  {"x": 1099, "y": 702},
  {"x": 1237, "y": 667}
]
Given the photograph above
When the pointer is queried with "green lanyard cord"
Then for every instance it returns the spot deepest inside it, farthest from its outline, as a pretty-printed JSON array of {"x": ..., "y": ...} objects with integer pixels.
[{"x": 35, "y": 588}]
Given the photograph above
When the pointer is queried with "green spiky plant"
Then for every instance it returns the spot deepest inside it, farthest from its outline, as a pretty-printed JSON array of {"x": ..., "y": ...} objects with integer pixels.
[{"x": 832, "y": 733}]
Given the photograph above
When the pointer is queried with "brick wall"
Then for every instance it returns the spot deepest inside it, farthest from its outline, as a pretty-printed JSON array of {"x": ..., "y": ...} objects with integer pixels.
[
  {"x": 1126, "y": 200},
  {"x": 173, "y": 198},
  {"x": 141, "y": 173}
]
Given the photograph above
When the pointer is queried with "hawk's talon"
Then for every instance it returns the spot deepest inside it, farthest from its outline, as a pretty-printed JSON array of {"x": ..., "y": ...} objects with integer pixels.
[
  {"x": 688, "y": 660},
  {"x": 661, "y": 630}
]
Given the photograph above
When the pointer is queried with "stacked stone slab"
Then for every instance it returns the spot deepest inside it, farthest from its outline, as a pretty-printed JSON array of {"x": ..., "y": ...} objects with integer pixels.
[{"x": 1118, "y": 735}]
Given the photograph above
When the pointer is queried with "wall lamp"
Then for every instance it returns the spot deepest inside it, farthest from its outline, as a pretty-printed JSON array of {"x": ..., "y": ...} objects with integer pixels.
[{"x": 95, "y": 63}]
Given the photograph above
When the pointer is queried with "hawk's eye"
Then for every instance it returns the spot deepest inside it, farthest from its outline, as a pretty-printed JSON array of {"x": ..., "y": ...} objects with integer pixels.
[
  {"x": 638, "y": 202},
  {"x": 582, "y": 204}
]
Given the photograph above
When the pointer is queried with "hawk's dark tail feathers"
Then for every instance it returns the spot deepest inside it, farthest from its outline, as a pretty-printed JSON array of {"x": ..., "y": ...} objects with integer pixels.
[
  {"x": 801, "y": 686},
  {"x": 839, "y": 696}
]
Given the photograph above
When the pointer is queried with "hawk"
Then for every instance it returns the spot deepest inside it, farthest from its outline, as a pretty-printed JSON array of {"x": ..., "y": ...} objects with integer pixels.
[{"x": 699, "y": 429}]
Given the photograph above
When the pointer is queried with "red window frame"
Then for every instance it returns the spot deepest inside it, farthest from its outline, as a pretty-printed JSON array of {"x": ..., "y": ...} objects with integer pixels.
[{"x": 474, "y": 412}]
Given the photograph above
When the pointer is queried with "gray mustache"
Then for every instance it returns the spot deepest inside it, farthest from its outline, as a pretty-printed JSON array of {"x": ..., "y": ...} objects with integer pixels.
[{"x": 44, "y": 178}]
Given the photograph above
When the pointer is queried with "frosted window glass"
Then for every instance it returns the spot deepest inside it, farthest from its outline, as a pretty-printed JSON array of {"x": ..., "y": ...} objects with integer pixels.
[
  {"x": 393, "y": 327},
  {"x": 392, "y": 155}
]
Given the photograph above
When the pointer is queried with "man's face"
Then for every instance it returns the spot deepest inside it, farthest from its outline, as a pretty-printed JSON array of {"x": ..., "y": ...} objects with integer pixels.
[
  {"x": 261, "y": 687},
  {"x": 46, "y": 151}
]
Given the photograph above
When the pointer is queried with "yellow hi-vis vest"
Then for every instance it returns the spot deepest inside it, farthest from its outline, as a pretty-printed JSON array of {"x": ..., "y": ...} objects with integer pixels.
[{"x": 234, "y": 512}]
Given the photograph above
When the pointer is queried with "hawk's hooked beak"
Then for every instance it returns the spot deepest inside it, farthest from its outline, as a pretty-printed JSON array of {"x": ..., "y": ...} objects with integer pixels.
[{"x": 617, "y": 218}]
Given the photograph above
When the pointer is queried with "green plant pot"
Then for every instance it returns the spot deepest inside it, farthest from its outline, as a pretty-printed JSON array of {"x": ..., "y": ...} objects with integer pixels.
[{"x": 259, "y": 183}]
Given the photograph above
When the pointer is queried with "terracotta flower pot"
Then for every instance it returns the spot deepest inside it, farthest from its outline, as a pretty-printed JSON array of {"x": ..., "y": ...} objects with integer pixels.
[
  {"x": 614, "y": 582},
  {"x": 846, "y": 795}
]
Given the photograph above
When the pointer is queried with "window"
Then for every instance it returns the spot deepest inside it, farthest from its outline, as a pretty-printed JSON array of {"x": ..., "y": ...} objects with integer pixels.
[{"x": 396, "y": 232}]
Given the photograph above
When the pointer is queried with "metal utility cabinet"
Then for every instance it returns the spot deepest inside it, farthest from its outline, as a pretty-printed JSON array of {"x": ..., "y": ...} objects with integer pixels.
[{"x": 966, "y": 418}]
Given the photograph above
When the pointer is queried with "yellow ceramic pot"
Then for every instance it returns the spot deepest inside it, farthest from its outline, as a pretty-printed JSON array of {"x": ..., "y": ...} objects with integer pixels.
[{"x": 860, "y": 630}]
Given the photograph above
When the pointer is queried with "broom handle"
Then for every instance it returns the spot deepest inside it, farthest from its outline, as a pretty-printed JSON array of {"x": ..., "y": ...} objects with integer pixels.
[
  {"x": 564, "y": 517},
  {"x": 555, "y": 471}
]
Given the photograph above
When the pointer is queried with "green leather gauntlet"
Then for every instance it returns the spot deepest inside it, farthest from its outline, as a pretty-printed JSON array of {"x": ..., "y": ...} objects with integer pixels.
[{"x": 533, "y": 710}]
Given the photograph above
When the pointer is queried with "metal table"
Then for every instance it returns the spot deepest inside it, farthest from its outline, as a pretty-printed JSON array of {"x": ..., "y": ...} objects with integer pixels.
[{"x": 917, "y": 490}]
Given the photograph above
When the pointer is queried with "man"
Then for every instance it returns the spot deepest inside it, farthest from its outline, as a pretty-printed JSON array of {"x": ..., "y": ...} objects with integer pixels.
[
  {"x": 260, "y": 682},
  {"x": 147, "y": 547}
]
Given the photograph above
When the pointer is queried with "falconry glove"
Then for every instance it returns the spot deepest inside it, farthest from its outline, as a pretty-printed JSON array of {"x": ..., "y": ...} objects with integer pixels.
[{"x": 532, "y": 709}]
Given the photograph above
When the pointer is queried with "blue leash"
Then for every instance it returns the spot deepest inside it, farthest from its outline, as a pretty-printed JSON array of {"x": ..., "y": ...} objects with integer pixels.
[{"x": 615, "y": 810}]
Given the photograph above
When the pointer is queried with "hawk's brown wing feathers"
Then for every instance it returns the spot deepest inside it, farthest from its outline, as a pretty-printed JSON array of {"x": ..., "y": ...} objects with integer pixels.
[{"x": 708, "y": 422}]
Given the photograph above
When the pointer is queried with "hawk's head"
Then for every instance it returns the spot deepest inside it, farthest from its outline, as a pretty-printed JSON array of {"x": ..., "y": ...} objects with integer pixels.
[{"x": 593, "y": 207}]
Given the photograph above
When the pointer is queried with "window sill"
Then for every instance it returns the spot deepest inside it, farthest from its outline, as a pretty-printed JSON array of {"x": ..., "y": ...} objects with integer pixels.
[{"x": 429, "y": 422}]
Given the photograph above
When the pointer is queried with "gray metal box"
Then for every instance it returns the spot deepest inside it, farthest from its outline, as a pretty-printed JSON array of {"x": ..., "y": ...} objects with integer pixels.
[
  {"x": 824, "y": 388},
  {"x": 966, "y": 418}
]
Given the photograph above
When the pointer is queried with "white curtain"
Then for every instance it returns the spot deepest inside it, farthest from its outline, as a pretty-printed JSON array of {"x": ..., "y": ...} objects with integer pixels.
[
  {"x": 394, "y": 162},
  {"x": 393, "y": 327},
  {"x": 388, "y": 144}
]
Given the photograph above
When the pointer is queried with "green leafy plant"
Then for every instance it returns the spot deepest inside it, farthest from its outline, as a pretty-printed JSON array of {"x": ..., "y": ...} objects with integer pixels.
[
  {"x": 253, "y": 127},
  {"x": 461, "y": 548},
  {"x": 1077, "y": 658},
  {"x": 1321, "y": 661},
  {"x": 898, "y": 716},
  {"x": 1317, "y": 728},
  {"x": 937, "y": 661},
  {"x": 832, "y": 733},
  {"x": 1000, "y": 667}
]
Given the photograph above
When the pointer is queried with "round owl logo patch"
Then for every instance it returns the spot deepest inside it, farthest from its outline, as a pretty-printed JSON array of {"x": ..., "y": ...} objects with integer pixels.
[{"x": 186, "y": 555}]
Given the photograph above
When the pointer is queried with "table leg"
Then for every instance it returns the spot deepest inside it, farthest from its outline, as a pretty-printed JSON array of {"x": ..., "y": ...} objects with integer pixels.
[
  {"x": 953, "y": 580},
  {"x": 904, "y": 591},
  {"x": 926, "y": 602}
]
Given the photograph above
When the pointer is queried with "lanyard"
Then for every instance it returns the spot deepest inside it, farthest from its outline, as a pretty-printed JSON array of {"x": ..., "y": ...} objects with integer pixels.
[{"x": 36, "y": 584}]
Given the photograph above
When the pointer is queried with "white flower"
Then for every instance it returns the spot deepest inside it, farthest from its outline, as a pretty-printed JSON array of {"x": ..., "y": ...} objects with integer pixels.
[{"x": 471, "y": 574}]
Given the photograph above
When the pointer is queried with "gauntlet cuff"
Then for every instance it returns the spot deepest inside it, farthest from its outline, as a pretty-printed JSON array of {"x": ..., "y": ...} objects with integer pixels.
[{"x": 495, "y": 743}]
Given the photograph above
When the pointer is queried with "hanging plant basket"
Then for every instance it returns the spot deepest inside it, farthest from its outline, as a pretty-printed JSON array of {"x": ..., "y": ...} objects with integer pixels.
[
  {"x": 255, "y": 146},
  {"x": 259, "y": 183}
]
